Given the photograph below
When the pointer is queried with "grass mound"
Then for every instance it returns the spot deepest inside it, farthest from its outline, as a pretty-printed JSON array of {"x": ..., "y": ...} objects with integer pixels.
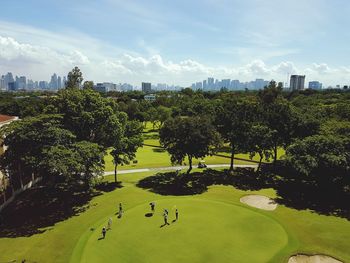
[{"x": 207, "y": 231}]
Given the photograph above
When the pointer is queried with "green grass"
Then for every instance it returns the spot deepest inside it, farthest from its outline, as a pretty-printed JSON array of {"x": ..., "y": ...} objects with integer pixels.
[
  {"x": 213, "y": 227},
  {"x": 151, "y": 157}
]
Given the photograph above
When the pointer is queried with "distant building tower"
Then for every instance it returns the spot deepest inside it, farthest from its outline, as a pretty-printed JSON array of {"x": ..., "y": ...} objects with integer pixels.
[
  {"x": 315, "y": 85},
  {"x": 59, "y": 82},
  {"x": 146, "y": 87},
  {"x": 297, "y": 82}
]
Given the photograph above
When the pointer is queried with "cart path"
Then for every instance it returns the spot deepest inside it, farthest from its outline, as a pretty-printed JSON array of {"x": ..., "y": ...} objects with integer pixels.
[{"x": 177, "y": 168}]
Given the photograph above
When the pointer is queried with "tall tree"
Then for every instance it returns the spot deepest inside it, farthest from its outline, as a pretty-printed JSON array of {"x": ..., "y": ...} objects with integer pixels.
[
  {"x": 190, "y": 137},
  {"x": 277, "y": 114},
  {"x": 260, "y": 141},
  {"x": 27, "y": 141},
  {"x": 90, "y": 116},
  {"x": 323, "y": 160},
  {"x": 124, "y": 149},
  {"x": 234, "y": 119},
  {"x": 74, "y": 79}
]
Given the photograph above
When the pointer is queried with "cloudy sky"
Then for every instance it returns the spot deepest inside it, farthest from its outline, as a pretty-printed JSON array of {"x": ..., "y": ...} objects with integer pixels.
[{"x": 177, "y": 42}]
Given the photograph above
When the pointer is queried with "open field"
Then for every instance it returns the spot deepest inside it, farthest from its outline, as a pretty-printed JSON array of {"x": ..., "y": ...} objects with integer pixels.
[{"x": 213, "y": 226}]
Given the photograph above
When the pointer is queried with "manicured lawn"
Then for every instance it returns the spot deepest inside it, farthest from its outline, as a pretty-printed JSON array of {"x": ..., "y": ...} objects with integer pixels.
[
  {"x": 213, "y": 227},
  {"x": 150, "y": 157}
]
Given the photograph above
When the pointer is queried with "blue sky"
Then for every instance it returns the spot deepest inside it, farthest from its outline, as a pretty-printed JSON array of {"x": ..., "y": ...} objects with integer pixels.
[{"x": 177, "y": 42}]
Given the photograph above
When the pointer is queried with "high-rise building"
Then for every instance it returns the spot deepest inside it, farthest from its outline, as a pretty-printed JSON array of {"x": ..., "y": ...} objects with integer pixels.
[
  {"x": 43, "y": 85},
  {"x": 205, "y": 86},
  {"x": 21, "y": 82},
  {"x": 235, "y": 84},
  {"x": 2, "y": 83},
  {"x": 59, "y": 82},
  {"x": 210, "y": 83},
  {"x": 315, "y": 85},
  {"x": 146, "y": 87},
  {"x": 64, "y": 82},
  {"x": 53, "y": 83},
  {"x": 8, "y": 78},
  {"x": 199, "y": 85},
  {"x": 225, "y": 83},
  {"x": 297, "y": 82}
]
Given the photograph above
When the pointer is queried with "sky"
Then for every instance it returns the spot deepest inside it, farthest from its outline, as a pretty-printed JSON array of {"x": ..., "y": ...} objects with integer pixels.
[{"x": 177, "y": 42}]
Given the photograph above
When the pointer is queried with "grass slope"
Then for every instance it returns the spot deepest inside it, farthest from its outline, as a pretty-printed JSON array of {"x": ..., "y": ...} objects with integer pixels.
[
  {"x": 207, "y": 231},
  {"x": 218, "y": 225}
]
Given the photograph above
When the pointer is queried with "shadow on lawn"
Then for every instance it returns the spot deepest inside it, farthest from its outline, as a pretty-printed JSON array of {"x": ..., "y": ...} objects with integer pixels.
[
  {"x": 196, "y": 183},
  {"x": 290, "y": 193},
  {"x": 42, "y": 207},
  {"x": 323, "y": 197}
]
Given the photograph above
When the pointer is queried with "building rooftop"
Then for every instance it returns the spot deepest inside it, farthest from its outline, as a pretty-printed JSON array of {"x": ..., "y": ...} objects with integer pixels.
[{"x": 7, "y": 118}]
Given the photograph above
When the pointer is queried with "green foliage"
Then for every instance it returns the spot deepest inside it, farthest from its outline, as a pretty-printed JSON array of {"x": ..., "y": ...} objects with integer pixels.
[
  {"x": 124, "y": 149},
  {"x": 89, "y": 116},
  {"x": 321, "y": 159},
  {"x": 234, "y": 119},
  {"x": 28, "y": 141},
  {"x": 260, "y": 141},
  {"x": 193, "y": 137},
  {"x": 74, "y": 79}
]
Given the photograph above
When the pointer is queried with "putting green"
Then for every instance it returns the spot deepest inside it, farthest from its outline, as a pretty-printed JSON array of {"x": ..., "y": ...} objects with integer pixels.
[{"x": 207, "y": 231}]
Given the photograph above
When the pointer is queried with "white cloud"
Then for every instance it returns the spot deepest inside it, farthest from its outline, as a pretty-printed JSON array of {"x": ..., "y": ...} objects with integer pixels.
[{"x": 40, "y": 61}]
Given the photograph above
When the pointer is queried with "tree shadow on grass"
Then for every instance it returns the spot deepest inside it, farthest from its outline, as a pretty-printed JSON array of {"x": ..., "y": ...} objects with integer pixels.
[
  {"x": 198, "y": 182},
  {"x": 108, "y": 186},
  {"x": 38, "y": 208},
  {"x": 293, "y": 191}
]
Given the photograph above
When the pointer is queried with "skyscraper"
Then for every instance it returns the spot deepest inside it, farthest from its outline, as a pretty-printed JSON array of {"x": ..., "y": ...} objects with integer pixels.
[
  {"x": 297, "y": 82},
  {"x": 2, "y": 83},
  {"x": 53, "y": 82},
  {"x": 315, "y": 85},
  {"x": 210, "y": 83},
  {"x": 146, "y": 87},
  {"x": 59, "y": 83}
]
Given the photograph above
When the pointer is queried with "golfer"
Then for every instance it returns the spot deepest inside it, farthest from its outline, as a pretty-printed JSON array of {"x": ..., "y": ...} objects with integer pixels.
[
  {"x": 176, "y": 214},
  {"x": 120, "y": 209},
  {"x": 104, "y": 232},
  {"x": 153, "y": 205},
  {"x": 110, "y": 221},
  {"x": 166, "y": 219}
]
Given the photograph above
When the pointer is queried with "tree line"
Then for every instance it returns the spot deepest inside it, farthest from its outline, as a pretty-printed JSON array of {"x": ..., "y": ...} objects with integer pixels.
[{"x": 65, "y": 136}]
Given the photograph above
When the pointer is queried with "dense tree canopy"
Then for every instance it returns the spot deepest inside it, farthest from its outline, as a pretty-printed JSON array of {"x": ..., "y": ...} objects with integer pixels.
[{"x": 191, "y": 137}]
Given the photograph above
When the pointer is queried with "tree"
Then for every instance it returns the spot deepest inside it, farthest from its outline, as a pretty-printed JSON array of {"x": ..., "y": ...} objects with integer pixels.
[
  {"x": 124, "y": 149},
  {"x": 74, "y": 79},
  {"x": 190, "y": 137},
  {"x": 233, "y": 120},
  {"x": 260, "y": 141},
  {"x": 277, "y": 114},
  {"x": 322, "y": 160},
  {"x": 91, "y": 158},
  {"x": 89, "y": 116},
  {"x": 88, "y": 85},
  {"x": 163, "y": 113},
  {"x": 27, "y": 142}
]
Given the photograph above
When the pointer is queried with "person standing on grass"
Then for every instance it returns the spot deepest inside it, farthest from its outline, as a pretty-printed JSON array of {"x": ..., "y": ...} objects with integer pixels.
[
  {"x": 104, "y": 232},
  {"x": 120, "y": 209},
  {"x": 165, "y": 219},
  {"x": 153, "y": 205},
  {"x": 176, "y": 214},
  {"x": 110, "y": 221}
]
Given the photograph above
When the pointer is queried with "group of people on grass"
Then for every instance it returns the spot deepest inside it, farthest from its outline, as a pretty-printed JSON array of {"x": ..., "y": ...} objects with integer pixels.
[{"x": 152, "y": 205}]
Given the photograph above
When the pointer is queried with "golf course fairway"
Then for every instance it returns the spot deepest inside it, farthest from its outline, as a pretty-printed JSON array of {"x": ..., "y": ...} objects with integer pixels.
[{"x": 207, "y": 231}]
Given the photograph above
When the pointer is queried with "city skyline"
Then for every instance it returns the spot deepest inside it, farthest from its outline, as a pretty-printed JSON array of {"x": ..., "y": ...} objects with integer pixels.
[
  {"x": 177, "y": 42},
  {"x": 12, "y": 82}
]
